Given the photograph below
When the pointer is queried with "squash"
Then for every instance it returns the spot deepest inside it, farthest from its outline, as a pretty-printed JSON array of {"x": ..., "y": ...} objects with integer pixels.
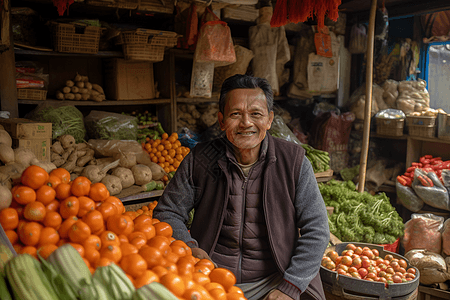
[
  {"x": 154, "y": 291},
  {"x": 119, "y": 285}
]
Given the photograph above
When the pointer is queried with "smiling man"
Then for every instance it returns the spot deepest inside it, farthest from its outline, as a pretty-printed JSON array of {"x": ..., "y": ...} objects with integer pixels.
[{"x": 252, "y": 194}]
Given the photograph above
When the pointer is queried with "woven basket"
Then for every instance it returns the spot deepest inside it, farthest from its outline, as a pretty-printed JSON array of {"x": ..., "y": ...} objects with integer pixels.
[
  {"x": 157, "y": 6},
  {"x": 31, "y": 94},
  {"x": 422, "y": 130},
  {"x": 147, "y": 36},
  {"x": 420, "y": 120},
  {"x": 391, "y": 127},
  {"x": 143, "y": 52},
  {"x": 66, "y": 38}
]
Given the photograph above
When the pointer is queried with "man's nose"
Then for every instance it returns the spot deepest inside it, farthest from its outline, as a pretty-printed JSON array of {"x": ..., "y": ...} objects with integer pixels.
[{"x": 245, "y": 120}]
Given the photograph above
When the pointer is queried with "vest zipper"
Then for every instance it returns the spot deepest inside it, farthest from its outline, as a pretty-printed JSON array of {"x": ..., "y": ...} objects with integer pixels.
[{"x": 242, "y": 223}]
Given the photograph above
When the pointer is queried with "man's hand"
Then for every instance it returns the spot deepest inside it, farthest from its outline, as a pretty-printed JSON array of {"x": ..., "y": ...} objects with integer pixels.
[
  {"x": 200, "y": 253},
  {"x": 277, "y": 295}
]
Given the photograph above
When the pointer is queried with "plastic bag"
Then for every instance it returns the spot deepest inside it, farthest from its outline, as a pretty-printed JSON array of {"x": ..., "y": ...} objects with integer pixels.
[
  {"x": 423, "y": 231},
  {"x": 214, "y": 43},
  {"x": 111, "y": 126},
  {"x": 390, "y": 93},
  {"x": 446, "y": 238},
  {"x": 358, "y": 99},
  {"x": 408, "y": 198},
  {"x": 108, "y": 148},
  {"x": 187, "y": 137},
  {"x": 390, "y": 114},
  {"x": 435, "y": 195},
  {"x": 279, "y": 129},
  {"x": 432, "y": 266},
  {"x": 202, "y": 79},
  {"x": 358, "y": 39}
]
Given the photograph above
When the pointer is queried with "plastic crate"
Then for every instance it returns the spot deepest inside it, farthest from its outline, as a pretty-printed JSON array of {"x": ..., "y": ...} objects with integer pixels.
[
  {"x": 143, "y": 52},
  {"x": 31, "y": 94},
  {"x": 422, "y": 130},
  {"x": 420, "y": 120},
  {"x": 391, "y": 127},
  {"x": 71, "y": 38}
]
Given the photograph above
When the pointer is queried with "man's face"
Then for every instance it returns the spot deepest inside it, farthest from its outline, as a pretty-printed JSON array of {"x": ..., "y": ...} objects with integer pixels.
[{"x": 245, "y": 119}]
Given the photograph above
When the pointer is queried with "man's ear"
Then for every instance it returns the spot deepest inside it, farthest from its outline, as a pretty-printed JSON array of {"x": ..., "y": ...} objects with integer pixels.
[
  {"x": 220, "y": 118},
  {"x": 270, "y": 120}
]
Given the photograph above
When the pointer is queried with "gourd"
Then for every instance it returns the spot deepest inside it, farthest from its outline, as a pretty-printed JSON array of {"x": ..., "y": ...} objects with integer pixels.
[
  {"x": 154, "y": 291},
  {"x": 119, "y": 285}
]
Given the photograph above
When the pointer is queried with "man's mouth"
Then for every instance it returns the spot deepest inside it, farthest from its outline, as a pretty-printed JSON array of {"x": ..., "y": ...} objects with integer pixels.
[{"x": 247, "y": 133}]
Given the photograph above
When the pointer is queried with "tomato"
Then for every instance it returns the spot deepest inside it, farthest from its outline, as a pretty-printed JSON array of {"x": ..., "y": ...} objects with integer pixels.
[
  {"x": 346, "y": 260},
  {"x": 389, "y": 257},
  {"x": 338, "y": 260},
  {"x": 363, "y": 272},
  {"x": 410, "y": 276},
  {"x": 382, "y": 279},
  {"x": 371, "y": 275},
  {"x": 325, "y": 260},
  {"x": 365, "y": 263},
  {"x": 394, "y": 264},
  {"x": 358, "y": 250},
  {"x": 382, "y": 274},
  {"x": 403, "y": 263},
  {"x": 347, "y": 253},
  {"x": 402, "y": 270},
  {"x": 330, "y": 265},
  {"x": 356, "y": 262},
  {"x": 355, "y": 274},
  {"x": 367, "y": 252},
  {"x": 382, "y": 267},
  {"x": 341, "y": 272},
  {"x": 379, "y": 261},
  {"x": 390, "y": 270},
  {"x": 333, "y": 255},
  {"x": 352, "y": 269},
  {"x": 411, "y": 270},
  {"x": 375, "y": 252},
  {"x": 350, "y": 247}
]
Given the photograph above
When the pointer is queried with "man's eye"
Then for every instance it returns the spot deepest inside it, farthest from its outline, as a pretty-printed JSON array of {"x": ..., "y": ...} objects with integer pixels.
[
  {"x": 234, "y": 114},
  {"x": 257, "y": 114}
]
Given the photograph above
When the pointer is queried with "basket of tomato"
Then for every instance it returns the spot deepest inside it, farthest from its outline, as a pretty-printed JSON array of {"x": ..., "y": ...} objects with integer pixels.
[{"x": 363, "y": 269}]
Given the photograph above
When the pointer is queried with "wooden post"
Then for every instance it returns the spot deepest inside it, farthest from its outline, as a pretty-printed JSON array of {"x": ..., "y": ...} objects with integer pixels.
[
  {"x": 8, "y": 90},
  {"x": 368, "y": 103}
]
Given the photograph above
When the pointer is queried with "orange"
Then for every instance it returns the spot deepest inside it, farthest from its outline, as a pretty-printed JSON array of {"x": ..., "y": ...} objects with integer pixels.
[
  {"x": 185, "y": 267},
  {"x": 120, "y": 224},
  {"x": 117, "y": 203},
  {"x": 52, "y": 219},
  {"x": 139, "y": 242},
  {"x": 86, "y": 205},
  {"x": 152, "y": 256},
  {"x": 131, "y": 214},
  {"x": 93, "y": 241},
  {"x": 145, "y": 278},
  {"x": 62, "y": 174},
  {"x": 34, "y": 177},
  {"x": 223, "y": 276},
  {"x": 214, "y": 285},
  {"x": 107, "y": 210},
  {"x": 65, "y": 226},
  {"x": 205, "y": 262},
  {"x": 9, "y": 218},
  {"x": 172, "y": 257},
  {"x": 103, "y": 262},
  {"x": 79, "y": 248},
  {"x": 197, "y": 292},
  {"x": 123, "y": 238},
  {"x": 94, "y": 219},
  {"x": 109, "y": 238},
  {"x": 45, "y": 194},
  {"x": 218, "y": 294},
  {"x": 53, "y": 206},
  {"x": 92, "y": 255},
  {"x": 63, "y": 191},
  {"x": 98, "y": 192},
  {"x": 81, "y": 186},
  {"x": 164, "y": 136},
  {"x": 46, "y": 250},
  {"x": 69, "y": 207},
  {"x": 128, "y": 249},
  {"x": 88, "y": 264},
  {"x": 30, "y": 233},
  {"x": 160, "y": 270},
  {"x": 235, "y": 289},
  {"x": 34, "y": 211},
  {"x": 48, "y": 235},
  {"x": 133, "y": 264},
  {"x": 29, "y": 250},
  {"x": 24, "y": 195},
  {"x": 53, "y": 181},
  {"x": 79, "y": 232},
  {"x": 200, "y": 278},
  {"x": 173, "y": 283},
  {"x": 235, "y": 296},
  {"x": 112, "y": 252},
  {"x": 161, "y": 243},
  {"x": 12, "y": 236}
]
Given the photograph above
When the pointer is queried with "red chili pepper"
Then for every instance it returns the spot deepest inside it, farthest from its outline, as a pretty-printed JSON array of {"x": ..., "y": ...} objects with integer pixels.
[
  {"x": 422, "y": 180},
  {"x": 428, "y": 179},
  {"x": 428, "y": 156},
  {"x": 402, "y": 180},
  {"x": 416, "y": 164},
  {"x": 428, "y": 169},
  {"x": 411, "y": 169},
  {"x": 409, "y": 175},
  {"x": 436, "y": 159}
]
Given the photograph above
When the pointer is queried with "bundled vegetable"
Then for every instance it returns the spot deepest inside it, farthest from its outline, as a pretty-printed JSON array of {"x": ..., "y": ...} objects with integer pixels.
[
  {"x": 319, "y": 159},
  {"x": 361, "y": 217}
]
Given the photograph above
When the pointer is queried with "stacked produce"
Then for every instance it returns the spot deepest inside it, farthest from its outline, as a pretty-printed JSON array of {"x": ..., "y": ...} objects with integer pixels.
[
  {"x": 319, "y": 159},
  {"x": 427, "y": 163},
  {"x": 81, "y": 89},
  {"x": 365, "y": 263},
  {"x": 360, "y": 217},
  {"x": 167, "y": 152},
  {"x": 90, "y": 248}
]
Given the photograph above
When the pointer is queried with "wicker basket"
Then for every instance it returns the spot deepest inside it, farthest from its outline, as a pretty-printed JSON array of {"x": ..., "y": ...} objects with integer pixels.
[
  {"x": 422, "y": 130},
  {"x": 143, "y": 52},
  {"x": 147, "y": 36},
  {"x": 420, "y": 120},
  {"x": 31, "y": 94},
  {"x": 66, "y": 38},
  {"x": 125, "y": 4},
  {"x": 391, "y": 127}
]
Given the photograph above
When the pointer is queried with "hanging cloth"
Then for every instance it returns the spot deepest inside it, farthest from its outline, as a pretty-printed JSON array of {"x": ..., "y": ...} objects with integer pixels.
[
  {"x": 62, "y": 5},
  {"x": 295, "y": 11}
]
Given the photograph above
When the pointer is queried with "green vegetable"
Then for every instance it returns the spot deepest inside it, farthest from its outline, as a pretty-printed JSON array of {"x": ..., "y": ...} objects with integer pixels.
[
  {"x": 154, "y": 291},
  {"x": 319, "y": 159},
  {"x": 119, "y": 285},
  {"x": 149, "y": 186},
  {"x": 361, "y": 217},
  {"x": 159, "y": 128},
  {"x": 4, "y": 293}
]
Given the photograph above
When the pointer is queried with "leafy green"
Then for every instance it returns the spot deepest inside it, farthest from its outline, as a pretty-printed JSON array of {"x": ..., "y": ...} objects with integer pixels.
[{"x": 361, "y": 217}]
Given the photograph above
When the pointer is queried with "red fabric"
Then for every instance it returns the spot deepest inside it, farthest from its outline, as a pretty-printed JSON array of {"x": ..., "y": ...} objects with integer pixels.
[
  {"x": 1, "y": 5},
  {"x": 294, "y": 11},
  {"x": 62, "y": 5}
]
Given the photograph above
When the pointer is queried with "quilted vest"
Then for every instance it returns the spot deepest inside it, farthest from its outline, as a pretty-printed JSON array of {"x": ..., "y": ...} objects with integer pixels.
[{"x": 212, "y": 177}]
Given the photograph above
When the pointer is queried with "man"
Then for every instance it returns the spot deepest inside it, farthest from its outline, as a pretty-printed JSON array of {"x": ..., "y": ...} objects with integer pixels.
[{"x": 251, "y": 193}]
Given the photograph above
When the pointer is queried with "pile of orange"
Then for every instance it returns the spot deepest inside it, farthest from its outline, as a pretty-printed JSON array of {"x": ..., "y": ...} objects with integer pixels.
[
  {"x": 145, "y": 209},
  {"x": 49, "y": 210},
  {"x": 167, "y": 151}
]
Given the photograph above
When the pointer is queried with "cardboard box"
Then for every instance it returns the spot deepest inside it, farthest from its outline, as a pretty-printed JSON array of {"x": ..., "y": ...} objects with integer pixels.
[
  {"x": 128, "y": 80},
  {"x": 20, "y": 128},
  {"x": 40, "y": 147}
]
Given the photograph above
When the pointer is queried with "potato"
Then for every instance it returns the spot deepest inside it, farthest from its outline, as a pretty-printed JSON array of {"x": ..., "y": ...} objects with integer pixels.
[
  {"x": 88, "y": 85},
  {"x": 142, "y": 174},
  {"x": 59, "y": 95},
  {"x": 85, "y": 97},
  {"x": 77, "y": 96},
  {"x": 5, "y": 138},
  {"x": 78, "y": 77},
  {"x": 125, "y": 175},
  {"x": 113, "y": 184},
  {"x": 80, "y": 84},
  {"x": 83, "y": 91},
  {"x": 98, "y": 88},
  {"x": 70, "y": 83},
  {"x": 69, "y": 96},
  {"x": 75, "y": 89},
  {"x": 6, "y": 154},
  {"x": 66, "y": 90}
]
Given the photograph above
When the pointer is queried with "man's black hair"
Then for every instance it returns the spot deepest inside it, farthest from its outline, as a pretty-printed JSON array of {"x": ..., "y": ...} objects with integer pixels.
[{"x": 239, "y": 81}]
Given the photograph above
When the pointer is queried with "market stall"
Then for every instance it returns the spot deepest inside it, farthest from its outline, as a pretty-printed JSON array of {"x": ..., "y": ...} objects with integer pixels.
[{"x": 100, "y": 108}]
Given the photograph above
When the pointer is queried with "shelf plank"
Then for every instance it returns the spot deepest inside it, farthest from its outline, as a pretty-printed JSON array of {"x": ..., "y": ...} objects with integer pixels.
[
  {"x": 433, "y": 140},
  {"x": 141, "y": 196},
  {"x": 215, "y": 98},
  {"x": 94, "y": 103},
  {"x": 381, "y": 136},
  {"x": 103, "y": 54}
]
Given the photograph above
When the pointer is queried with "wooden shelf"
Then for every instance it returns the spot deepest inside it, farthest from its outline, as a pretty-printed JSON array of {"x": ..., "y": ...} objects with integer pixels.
[
  {"x": 94, "y": 103},
  {"x": 142, "y": 196},
  {"x": 101, "y": 54},
  {"x": 215, "y": 98},
  {"x": 380, "y": 136},
  {"x": 426, "y": 139}
]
